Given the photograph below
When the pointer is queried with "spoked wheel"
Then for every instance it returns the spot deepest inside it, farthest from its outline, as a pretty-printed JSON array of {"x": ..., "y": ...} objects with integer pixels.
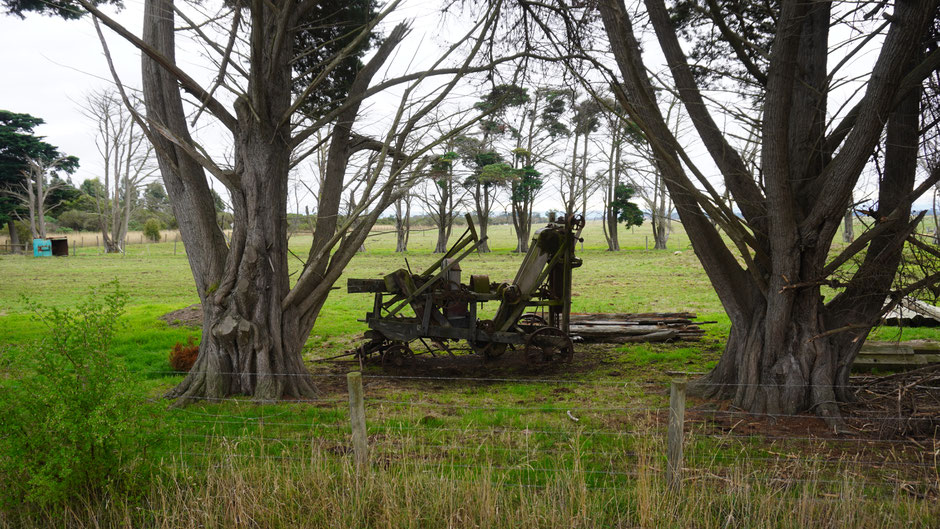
[
  {"x": 548, "y": 344},
  {"x": 397, "y": 355},
  {"x": 489, "y": 350},
  {"x": 530, "y": 322}
]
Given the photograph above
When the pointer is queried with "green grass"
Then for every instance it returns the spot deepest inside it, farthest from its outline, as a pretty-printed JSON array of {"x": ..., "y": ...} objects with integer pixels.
[{"x": 427, "y": 435}]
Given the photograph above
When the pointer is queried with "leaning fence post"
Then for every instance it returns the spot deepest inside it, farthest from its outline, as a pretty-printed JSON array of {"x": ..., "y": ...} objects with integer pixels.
[
  {"x": 675, "y": 434},
  {"x": 357, "y": 419}
]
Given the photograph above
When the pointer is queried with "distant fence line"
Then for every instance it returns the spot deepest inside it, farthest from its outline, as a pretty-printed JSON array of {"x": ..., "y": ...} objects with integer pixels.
[{"x": 88, "y": 240}]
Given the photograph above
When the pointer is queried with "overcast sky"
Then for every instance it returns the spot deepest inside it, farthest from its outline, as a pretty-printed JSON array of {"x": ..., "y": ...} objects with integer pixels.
[{"x": 49, "y": 66}]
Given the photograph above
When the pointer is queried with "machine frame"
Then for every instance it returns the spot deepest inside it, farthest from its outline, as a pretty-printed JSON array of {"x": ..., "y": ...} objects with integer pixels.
[{"x": 446, "y": 310}]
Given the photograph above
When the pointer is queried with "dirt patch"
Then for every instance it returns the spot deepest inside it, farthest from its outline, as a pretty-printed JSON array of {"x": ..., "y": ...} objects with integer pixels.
[
  {"x": 190, "y": 316},
  {"x": 512, "y": 364}
]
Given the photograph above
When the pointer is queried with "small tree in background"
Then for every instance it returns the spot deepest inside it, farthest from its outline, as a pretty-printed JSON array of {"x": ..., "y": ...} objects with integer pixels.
[
  {"x": 627, "y": 212},
  {"x": 39, "y": 185},
  {"x": 19, "y": 145},
  {"x": 152, "y": 229},
  {"x": 126, "y": 158},
  {"x": 524, "y": 184}
]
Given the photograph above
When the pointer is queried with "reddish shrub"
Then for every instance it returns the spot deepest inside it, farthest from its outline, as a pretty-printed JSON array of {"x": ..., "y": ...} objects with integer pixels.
[{"x": 183, "y": 356}]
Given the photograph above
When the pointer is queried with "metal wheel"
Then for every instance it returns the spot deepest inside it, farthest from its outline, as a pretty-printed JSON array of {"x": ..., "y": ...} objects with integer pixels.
[
  {"x": 548, "y": 344},
  {"x": 530, "y": 322},
  {"x": 490, "y": 350},
  {"x": 365, "y": 350},
  {"x": 397, "y": 355}
]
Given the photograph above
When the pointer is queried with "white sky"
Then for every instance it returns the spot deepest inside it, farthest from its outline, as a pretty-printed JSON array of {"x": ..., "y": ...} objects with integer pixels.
[{"x": 50, "y": 65}]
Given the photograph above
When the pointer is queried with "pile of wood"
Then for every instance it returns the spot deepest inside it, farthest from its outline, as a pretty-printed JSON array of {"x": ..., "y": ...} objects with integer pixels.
[
  {"x": 640, "y": 327},
  {"x": 900, "y": 405}
]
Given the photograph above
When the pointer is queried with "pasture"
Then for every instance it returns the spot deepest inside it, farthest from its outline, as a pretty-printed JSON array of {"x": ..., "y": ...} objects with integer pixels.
[{"x": 456, "y": 443}]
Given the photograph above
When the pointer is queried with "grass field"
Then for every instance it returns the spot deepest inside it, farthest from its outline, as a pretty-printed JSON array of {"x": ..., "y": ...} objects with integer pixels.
[{"x": 460, "y": 444}]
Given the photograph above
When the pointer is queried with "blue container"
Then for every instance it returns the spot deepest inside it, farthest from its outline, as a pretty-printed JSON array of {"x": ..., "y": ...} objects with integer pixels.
[{"x": 42, "y": 248}]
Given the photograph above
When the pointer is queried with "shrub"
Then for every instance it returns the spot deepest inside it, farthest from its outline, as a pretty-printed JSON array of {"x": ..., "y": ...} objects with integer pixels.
[
  {"x": 152, "y": 229},
  {"x": 183, "y": 356},
  {"x": 72, "y": 421},
  {"x": 22, "y": 231},
  {"x": 78, "y": 220}
]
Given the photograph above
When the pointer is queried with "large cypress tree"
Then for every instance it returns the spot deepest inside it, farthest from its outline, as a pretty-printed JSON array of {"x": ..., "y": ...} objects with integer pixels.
[{"x": 19, "y": 144}]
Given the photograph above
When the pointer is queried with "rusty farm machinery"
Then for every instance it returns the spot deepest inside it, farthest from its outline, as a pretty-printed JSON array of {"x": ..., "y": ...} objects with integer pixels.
[
  {"x": 533, "y": 314},
  {"x": 435, "y": 308}
]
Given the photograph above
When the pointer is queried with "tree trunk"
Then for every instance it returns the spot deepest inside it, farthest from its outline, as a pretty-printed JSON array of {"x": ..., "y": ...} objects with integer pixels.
[
  {"x": 443, "y": 234},
  {"x": 848, "y": 226},
  {"x": 798, "y": 364},
  {"x": 613, "y": 235},
  {"x": 402, "y": 224},
  {"x": 482, "y": 196},
  {"x": 481, "y": 231},
  {"x": 250, "y": 345},
  {"x": 522, "y": 222},
  {"x": 660, "y": 232},
  {"x": 787, "y": 351},
  {"x": 936, "y": 216},
  {"x": 14, "y": 237}
]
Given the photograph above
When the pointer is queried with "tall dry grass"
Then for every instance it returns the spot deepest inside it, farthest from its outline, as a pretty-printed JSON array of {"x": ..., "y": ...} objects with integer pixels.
[{"x": 326, "y": 491}]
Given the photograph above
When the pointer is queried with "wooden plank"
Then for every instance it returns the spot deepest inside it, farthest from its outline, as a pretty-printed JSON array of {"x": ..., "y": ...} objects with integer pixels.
[
  {"x": 897, "y": 359},
  {"x": 886, "y": 349},
  {"x": 614, "y": 330},
  {"x": 359, "y": 286}
]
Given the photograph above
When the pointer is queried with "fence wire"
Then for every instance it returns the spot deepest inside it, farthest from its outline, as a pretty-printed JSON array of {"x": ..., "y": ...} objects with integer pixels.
[{"x": 532, "y": 443}]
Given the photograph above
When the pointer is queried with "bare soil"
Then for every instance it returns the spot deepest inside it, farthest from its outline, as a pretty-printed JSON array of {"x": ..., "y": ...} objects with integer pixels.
[{"x": 190, "y": 316}]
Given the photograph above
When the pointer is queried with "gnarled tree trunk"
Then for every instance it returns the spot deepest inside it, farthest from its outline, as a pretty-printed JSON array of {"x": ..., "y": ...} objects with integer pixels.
[{"x": 789, "y": 350}]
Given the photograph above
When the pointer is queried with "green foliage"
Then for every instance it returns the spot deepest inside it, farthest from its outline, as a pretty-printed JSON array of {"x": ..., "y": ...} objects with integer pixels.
[
  {"x": 500, "y": 99},
  {"x": 72, "y": 419},
  {"x": 496, "y": 174},
  {"x": 587, "y": 116},
  {"x": 627, "y": 212},
  {"x": 152, "y": 229},
  {"x": 217, "y": 201},
  {"x": 67, "y": 9},
  {"x": 712, "y": 52},
  {"x": 331, "y": 26},
  {"x": 94, "y": 188},
  {"x": 525, "y": 184},
  {"x": 485, "y": 158},
  {"x": 22, "y": 231},
  {"x": 556, "y": 104},
  {"x": 17, "y": 145},
  {"x": 78, "y": 220}
]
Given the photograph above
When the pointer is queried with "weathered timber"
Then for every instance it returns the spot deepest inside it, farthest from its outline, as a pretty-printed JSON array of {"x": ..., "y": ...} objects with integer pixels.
[
  {"x": 635, "y": 327},
  {"x": 894, "y": 355},
  {"x": 359, "y": 286}
]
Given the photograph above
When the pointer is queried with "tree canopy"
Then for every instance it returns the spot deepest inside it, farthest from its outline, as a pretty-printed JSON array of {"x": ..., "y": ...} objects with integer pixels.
[
  {"x": 627, "y": 212},
  {"x": 19, "y": 144}
]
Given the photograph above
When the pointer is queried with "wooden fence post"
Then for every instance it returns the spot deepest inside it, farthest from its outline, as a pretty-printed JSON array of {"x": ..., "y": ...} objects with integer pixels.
[
  {"x": 357, "y": 420},
  {"x": 675, "y": 434}
]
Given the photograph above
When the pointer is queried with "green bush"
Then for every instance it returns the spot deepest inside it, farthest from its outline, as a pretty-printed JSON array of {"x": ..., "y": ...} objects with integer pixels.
[
  {"x": 152, "y": 229},
  {"x": 71, "y": 420},
  {"x": 22, "y": 231},
  {"x": 78, "y": 220}
]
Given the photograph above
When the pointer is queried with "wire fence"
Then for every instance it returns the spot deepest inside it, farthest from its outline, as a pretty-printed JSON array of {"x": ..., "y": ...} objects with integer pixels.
[
  {"x": 532, "y": 433},
  {"x": 83, "y": 243}
]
